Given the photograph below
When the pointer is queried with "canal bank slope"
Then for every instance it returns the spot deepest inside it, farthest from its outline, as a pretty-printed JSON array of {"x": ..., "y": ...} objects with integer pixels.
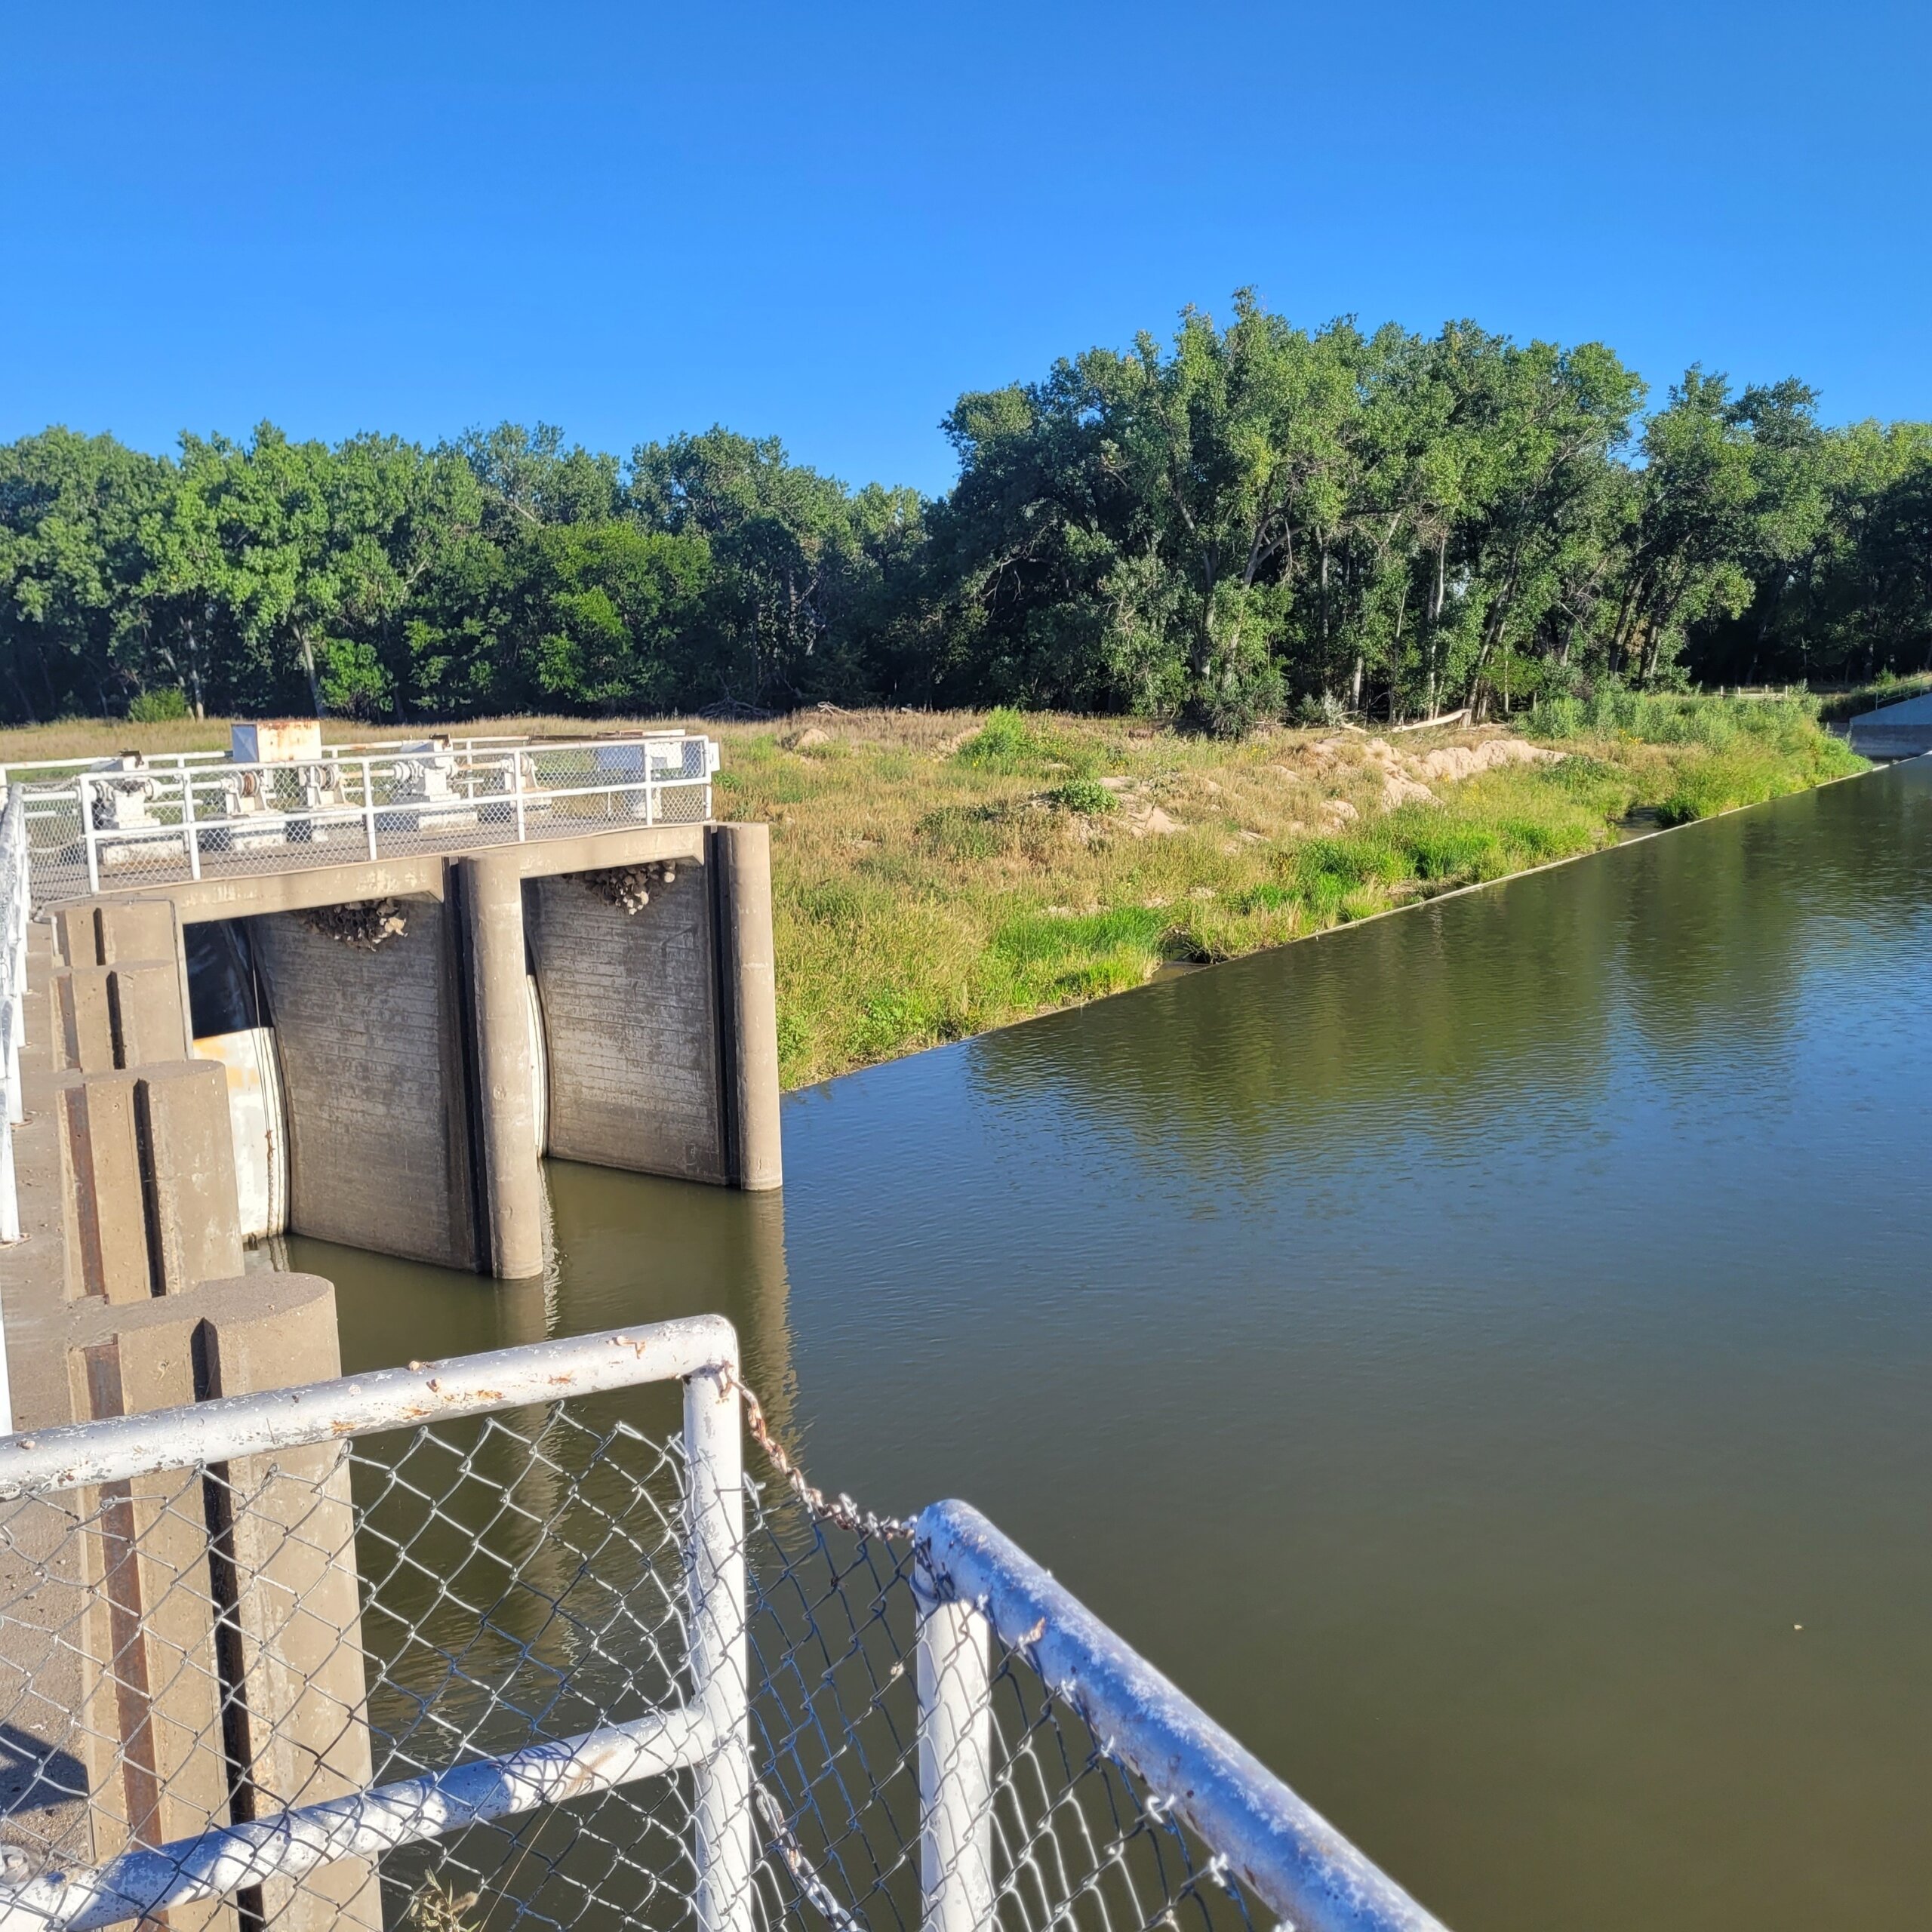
[{"x": 938, "y": 874}]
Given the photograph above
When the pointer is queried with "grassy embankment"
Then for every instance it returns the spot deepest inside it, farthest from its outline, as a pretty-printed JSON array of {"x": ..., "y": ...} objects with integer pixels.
[{"x": 938, "y": 874}]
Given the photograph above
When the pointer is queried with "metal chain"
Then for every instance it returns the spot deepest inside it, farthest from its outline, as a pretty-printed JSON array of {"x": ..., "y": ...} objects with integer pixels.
[
  {"x": 842, "y": 1511},
  {"x": 805, "y": 1875}
]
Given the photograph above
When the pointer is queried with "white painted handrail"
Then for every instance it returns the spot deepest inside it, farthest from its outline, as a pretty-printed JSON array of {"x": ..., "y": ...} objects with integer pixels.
[
  {"x": 15, "y": 905},
  {"x": 1280, "y": 1847}
]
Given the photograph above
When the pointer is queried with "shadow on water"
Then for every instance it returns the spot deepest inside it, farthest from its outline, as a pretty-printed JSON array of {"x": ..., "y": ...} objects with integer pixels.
[{"x": 1461, "y": 1351}]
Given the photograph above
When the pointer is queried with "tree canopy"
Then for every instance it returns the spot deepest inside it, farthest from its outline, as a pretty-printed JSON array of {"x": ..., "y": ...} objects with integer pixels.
[{"x": 1245, "y": 520}]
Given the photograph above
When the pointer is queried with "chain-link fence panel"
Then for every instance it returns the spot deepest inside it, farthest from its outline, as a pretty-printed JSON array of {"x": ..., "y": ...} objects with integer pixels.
[{"x": 512, "y": 1642}]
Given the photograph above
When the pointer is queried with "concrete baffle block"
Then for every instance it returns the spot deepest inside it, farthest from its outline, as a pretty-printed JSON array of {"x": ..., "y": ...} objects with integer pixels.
[
  {"x": 188, "y": 1170},
  {"x": 287, "y": 1534},
  {"x": 83, "y": 1020},
  {"x": 144, "y": 1005},
  {"x": 76, "y": 937},
  {"x": 103, "y": 1195},
  {"x": 137, "y": 929},
  {"x": 151, "y": 1694},
  {"x": 490, "y": 890},
  {"x": 131, "y": 932}
]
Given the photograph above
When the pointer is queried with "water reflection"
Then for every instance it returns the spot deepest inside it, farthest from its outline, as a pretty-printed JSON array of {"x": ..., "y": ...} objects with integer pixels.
[{"x": 624, "y": 1248}]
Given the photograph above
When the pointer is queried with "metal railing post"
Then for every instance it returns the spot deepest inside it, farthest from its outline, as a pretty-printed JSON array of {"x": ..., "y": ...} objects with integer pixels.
[
  {"x": 89, "y": 837},
  {"x": 369, "y": 806},
  {"x": 516, "y": 785},
  {"x": 1283, "y": 1849},
  {"x": 955, "y": 1767},
  {"x": 723, "y": 1850},
  {"x": 10, "y": 1205},
  {"x": 13, "y": 1113},
  {"x": 188, "y": 823}
]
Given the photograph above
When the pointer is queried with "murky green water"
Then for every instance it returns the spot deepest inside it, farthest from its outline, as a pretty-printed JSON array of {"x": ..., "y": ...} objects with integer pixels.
[{"x": 1462, "y": 1351}]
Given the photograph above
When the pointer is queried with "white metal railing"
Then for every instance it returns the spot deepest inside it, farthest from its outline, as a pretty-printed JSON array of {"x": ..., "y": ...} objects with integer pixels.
[
  {"x": 706, "y": 1735},
  {"x": 130, "y": 822},
  {"x": 973, "y": 1584},
  {"x": 36, "y": 771},
  {"x": 936, "y": 1732}
]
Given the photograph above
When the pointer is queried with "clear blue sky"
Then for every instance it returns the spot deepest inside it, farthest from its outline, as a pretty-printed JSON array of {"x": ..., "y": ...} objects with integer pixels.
[{"x": 824, "y": 221}]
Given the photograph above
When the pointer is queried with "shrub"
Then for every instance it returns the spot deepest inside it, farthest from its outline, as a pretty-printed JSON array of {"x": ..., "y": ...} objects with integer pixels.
[
  {"x": 1235, "y": 693},
  {"x": 1005, "y": 742},
  {"x": 1086, "y": 796},
  {"x": 157, "y": 707}
]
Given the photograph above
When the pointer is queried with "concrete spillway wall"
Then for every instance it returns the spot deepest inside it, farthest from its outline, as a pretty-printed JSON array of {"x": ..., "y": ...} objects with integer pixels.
[
  {"x": 1899, "y": 730},
  {"x": 630, "y": 1017},
  {"x": 370, "y": 1045}
]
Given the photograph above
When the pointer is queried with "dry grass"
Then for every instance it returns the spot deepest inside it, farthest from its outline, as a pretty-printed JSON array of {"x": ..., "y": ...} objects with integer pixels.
[{"x": 937, "y": 873}]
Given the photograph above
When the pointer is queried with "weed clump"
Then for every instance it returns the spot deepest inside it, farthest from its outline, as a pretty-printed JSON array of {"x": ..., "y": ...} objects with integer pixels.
[
  {"x": 966, "y": 832},
  {"x": 1087, "y": 797},
  {"x": 1004, "y": 743}
]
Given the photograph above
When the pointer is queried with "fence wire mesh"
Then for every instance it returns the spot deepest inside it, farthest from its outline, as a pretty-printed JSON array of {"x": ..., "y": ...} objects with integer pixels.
[{"x": 189, "y": 1650}]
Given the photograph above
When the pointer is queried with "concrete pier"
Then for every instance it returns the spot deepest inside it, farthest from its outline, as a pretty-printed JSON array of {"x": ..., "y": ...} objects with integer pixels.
[
  {"x": 503, "y": 1078},
  {"x": 749, "y": 995}
]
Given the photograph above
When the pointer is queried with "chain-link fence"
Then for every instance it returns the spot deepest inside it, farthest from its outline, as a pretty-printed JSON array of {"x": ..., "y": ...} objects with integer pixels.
[
  {"x": 127, "y": 822},
  {"x": 512, "y": 1641},
  {"x": 15, "y": 902}
]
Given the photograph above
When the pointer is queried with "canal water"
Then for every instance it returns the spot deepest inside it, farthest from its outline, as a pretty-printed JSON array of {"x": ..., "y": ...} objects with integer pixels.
[{"x": 1483, "y": 1355}]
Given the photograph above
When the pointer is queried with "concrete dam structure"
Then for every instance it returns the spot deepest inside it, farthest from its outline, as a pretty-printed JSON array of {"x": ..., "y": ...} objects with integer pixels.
[
  {"x": 422, "y": 969},
  {"x": 1903, "y": 730}
]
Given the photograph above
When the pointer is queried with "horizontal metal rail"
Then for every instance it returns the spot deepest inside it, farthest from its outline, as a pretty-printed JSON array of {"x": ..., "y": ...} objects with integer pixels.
[
  {"x": 359, "y": 747},
  {"x": 1279, "y": 1846},
  {"x": 120, "y": 1449},
  {"x": 141, "y": 1883}
]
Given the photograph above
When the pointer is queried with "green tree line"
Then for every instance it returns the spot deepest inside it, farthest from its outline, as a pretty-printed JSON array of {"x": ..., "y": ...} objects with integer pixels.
[{"x": 1247, "y": 521}]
